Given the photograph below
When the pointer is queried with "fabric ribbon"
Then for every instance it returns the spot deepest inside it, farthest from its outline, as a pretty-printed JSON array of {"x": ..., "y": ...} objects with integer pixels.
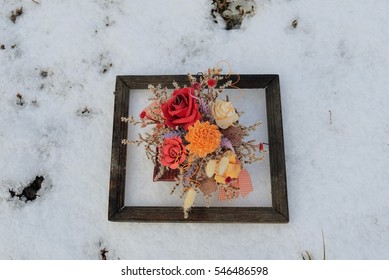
[{"x": 243, "y": 186}]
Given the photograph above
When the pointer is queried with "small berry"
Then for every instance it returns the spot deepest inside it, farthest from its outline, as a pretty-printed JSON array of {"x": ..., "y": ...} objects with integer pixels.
[
  {"x": 211, "y": 82},
  {"x": 196, "y": 86}
]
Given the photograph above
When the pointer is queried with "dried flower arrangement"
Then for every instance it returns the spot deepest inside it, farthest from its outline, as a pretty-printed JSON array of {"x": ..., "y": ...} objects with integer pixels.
[{"x": 198, "y": 135}]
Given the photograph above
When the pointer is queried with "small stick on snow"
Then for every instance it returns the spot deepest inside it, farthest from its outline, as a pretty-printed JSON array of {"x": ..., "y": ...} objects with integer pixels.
[{"x": 330, "y": 116}]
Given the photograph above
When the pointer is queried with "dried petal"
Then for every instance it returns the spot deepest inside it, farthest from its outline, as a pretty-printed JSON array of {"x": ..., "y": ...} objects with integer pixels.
[
  {"x": 189, "y": 200},
  {"x": 210, "y": 168},
  {"x": 223, "y": 164}
]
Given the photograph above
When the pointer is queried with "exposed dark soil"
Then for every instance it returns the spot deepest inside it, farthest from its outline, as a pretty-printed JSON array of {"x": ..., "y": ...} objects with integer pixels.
[
  {"x": 29, "y": 193},
  {"x": 19, "y": 99},
  {"x": 44, "y": 74},
  {"x": 103, "y": 254},
  {"x": 15, "y": 14},
  {"x": 295, "y": 23}
]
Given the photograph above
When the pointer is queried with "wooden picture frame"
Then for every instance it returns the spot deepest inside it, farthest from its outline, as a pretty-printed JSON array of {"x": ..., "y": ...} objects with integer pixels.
[{"x": 119, "y": 212}]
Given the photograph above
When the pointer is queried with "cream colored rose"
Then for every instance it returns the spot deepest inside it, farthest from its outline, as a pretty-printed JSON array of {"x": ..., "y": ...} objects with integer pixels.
[{"x": 224, "y": 113}]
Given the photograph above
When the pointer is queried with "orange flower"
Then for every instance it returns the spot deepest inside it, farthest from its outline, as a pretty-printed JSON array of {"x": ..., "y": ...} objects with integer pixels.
[{"x": 204, "y": 138}]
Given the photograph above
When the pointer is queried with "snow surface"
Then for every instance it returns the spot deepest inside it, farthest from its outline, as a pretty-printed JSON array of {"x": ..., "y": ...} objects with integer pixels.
[{"x": 336, "y": 60}]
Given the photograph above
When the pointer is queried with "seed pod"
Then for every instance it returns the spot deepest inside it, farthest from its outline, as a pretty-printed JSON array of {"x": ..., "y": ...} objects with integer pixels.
[{"x": 189, "y": 200}]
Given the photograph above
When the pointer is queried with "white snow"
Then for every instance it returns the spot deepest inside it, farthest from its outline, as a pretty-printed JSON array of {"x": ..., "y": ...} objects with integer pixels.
[{"x": 337, "y": 59}]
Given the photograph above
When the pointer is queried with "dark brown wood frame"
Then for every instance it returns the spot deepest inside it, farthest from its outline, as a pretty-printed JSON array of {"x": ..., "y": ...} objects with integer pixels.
[{"x": 119, "y": 212}]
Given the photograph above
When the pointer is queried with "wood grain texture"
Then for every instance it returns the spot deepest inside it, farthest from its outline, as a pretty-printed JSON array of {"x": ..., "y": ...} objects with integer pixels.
[
  {"x": 200, "y": 215},
  {"x": 276, "y": 148},
  {"x": 245, "y": 80},
  {"x": 119, "y": 151},
  {"x": 119, "y": 212}
]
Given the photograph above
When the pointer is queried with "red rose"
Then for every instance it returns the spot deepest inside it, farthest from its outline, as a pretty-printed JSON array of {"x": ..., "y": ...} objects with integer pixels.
[
  {"x": 181, "y": 109},
  {"x": 173, "y": 152}
]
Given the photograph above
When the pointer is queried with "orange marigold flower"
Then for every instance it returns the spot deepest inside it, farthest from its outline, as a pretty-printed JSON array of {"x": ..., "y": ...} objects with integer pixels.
[{"x": 204, "y": 138}]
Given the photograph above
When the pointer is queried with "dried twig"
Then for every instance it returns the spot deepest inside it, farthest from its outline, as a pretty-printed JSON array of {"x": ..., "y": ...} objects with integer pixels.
[
  {"x": 324, "y": 246},
  {"x": 330, "y": 116},
  {"x": 307, "y": 256}
]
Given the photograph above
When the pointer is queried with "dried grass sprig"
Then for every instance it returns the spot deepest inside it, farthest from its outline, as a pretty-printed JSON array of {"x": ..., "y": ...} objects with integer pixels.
[
  {"x": 142, "y": 122},
  {"x": 254, "y": 126},
  {"x": 247, "y": 151},
  {"x": 150, "y": 142}
]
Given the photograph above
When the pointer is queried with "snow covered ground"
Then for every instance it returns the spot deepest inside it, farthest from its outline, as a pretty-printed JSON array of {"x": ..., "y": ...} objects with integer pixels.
[{"x": 63, "y": 57}]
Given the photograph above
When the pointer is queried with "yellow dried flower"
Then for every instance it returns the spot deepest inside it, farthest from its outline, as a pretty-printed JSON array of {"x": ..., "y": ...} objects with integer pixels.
[{"x": 204, "y": 138}]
